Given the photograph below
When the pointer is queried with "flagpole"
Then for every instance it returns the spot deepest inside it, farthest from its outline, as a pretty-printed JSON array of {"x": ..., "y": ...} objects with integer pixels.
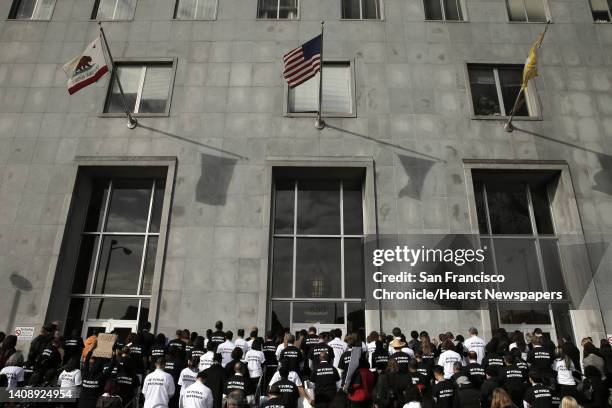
[
  {"x": 132, "y": 122},
  {"x": 320, "y": 124},
  {"x": 508, "y": 126}
]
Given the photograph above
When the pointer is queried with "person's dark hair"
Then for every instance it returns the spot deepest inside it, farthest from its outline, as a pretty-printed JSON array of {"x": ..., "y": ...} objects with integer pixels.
[
  {"x": 193, "y": 337},
  {"x": 283, "y": 372},
  {"x": 338, "y": 333},
  {"x": 426, "y": 345},
  {"x": 2, "y": 336},
  {"x": 324, "y": 356},
  {"x": 373, "y": 336},
  {"x": 535, "y": 376},
  {"x": 312, "y": 330},
  {"x": 237, "y": 354},
  {"x": 217, "y": 358},
  {"x": 508, "y": 358},
  {"x": 240, "y": 332},
  {"x": 380, "y": 347},
  {"x": 438, "y": 370},
  {"x": 253, "y": 333},
  {"x": 219, "y": 325},
  {"x": 10, "y": 342},
  {"x": 516, "y": 354},
  {"x": 72, "y": 364},
  {"x": 448, "y": 344},
  {"x": 491, "y": 371},
  {"x": 290, "y": 339},
  {"x": 257, "y": 344},
  {"x": 198, "y": 343},
  {"x": 146, "y": 326},
  {"x": 519, "y": 339},
  {"x": 270, "y": 335},
  {"x": 161, "y": 361},
  {"x": 160, "y": 339},
  {"x": 209, "y": 333},
  {"x": 413, "y": 365},
  {"x": 396, "y": 332},
  {"x": 195, "y": 361},
  {"x": 472, "y": 355},
  {"x": 457, "y": 366},
  {"x": 460, "y": 338},
  {"x": 229, "y": 335},
  {"x": 363, "y": 361},
  {"x": 241, "y": 368},
  {"x": 414, "y": 334},
  {"x": 604, "y": 344},
  {"x": 589, "y": 349},
  {"x": 392, "y": 366}
]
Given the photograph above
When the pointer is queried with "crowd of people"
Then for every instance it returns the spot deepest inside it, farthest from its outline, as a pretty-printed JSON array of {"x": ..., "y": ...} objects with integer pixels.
[{"x": 322, "y": 370}]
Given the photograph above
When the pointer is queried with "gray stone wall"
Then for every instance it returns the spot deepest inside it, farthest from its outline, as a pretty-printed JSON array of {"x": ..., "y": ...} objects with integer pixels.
[{"x": 226, "y": 119}]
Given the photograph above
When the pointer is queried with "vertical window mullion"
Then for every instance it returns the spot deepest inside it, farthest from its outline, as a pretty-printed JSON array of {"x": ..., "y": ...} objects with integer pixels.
[
  {"x": 195, "y": 11},
  {"x": 101, "y": 237},
  {"x": 146, "y": 240},
  {"x": 500, "y": 97},
  {"x": 342, "y": 280},
  {"x": 140, "y": 88},
  {"x": 295, "y": 206},
  {"x": 278, "y": 9},
  {"x": 361, "y": 9},
  {"x": 525, "y": 10},
  {"x": 536, "y": 240},
  {"x": 114, "y": 9},
  {"x": 35, "y": 9},
  {"x": 492, "y": 244},
  {"x": 443, "y": 10}
]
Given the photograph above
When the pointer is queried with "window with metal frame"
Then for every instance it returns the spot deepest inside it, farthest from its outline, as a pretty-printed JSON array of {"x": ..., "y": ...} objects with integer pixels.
[
  {"x": 195, "y": 10},
  {"x": 517, "y": 231},
  {"x": 440, "y": 10},
  {"x": 114, "y": 10},
  {"x": 337, "y": 92},
  {"x": 495, "y": 88},
  {"x": 362, "y": 9},
  {"x": 32, "y": 9},
  {"x": 602, "y": 10},
  {"x": 317, "y": 252},
  {"x": 147, "y": 88},
  {"x": 527, "y": 10},
  {"x": 278, "y": 9},
  {"x": 115, "y": 263}
]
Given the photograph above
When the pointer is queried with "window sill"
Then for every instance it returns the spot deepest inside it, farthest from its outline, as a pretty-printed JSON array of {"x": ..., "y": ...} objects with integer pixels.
[
  {"x": 363, "y": 19},
  {"x": 277, "y": 19},
  {"x": 529, "y": 22},
  {"x": 194, "y": 19},
  {"x": 602, "y": 22},
  {"x": 112, "y": 21},
  {"x": 314, "y": 115},
  {"x": 447, "y": 21},
  {"x": 505, "y": 118},
  {"x": 29, "y": 20},
  {"x": 136, "y": 115}
]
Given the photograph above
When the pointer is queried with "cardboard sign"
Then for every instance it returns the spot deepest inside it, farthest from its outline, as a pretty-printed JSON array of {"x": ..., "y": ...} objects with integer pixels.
[
  {"x": 104, "y": 347},
  {"x": 24, "y": 332}
]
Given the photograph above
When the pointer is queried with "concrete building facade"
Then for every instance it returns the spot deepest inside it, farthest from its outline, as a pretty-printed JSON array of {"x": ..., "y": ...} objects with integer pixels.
[{"x": 411, "y": 123}]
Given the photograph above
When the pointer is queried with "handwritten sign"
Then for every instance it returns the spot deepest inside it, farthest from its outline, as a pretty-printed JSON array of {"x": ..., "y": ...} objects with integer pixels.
[{"x": 104, "y": 347}]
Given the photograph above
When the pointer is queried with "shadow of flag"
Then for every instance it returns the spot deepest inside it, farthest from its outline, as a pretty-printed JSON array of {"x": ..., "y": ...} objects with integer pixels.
[
  {"x": 416, "y": 169},
  {"x": 214, "y": 179}
]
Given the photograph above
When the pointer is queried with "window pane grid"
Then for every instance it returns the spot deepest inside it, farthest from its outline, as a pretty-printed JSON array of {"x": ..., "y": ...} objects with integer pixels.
[
  {"x": 33, "y": 10},
  {"x": 495, "y": 89},
  {"x": 278, "y": 9},
  {"x": 93, "y": 288}
]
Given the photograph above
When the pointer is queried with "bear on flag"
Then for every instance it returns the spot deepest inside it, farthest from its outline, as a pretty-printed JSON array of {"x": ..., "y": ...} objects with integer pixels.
[{"x": 87, "y": 68}]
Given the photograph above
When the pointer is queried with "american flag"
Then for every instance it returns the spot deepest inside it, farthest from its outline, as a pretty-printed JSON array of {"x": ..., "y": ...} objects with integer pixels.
[{"x": 303, "y": 62}]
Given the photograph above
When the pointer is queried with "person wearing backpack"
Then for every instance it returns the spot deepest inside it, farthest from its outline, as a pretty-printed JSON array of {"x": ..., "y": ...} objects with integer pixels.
[{"x": 362, "y": 384}]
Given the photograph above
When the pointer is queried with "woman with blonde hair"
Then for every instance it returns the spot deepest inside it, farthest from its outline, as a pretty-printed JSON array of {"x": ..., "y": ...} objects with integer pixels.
[
  {"x": 501, "y": 399},
  {"x": 569, "y": 402}
]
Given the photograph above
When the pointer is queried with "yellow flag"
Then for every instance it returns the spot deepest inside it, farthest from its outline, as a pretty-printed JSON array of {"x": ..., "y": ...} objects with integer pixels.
[{"x": 531, "y": 69}]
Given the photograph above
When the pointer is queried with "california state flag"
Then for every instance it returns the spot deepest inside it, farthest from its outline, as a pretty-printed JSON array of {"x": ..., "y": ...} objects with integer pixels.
[{"x": 86, "y": 68}]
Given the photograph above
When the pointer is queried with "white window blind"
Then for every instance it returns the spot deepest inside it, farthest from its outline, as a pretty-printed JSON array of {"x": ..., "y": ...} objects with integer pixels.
[
  {"x": 337, "y": 92},
  {"x": 196, "y": 9}
]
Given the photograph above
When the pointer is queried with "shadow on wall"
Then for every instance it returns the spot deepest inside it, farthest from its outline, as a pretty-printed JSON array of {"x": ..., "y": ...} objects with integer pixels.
[
  {"x": 416, "y": 169},
  {"x": 21, "y": 285},
  {"x": 214, "y": 180}
]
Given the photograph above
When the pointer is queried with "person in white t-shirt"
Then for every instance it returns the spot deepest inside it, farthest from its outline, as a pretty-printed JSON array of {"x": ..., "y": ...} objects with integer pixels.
[
  {"x": 206, "y": 360},
  {"x": 70, "y": 377},
  {"x": 226, "y": 348},
  {"x": 448, "y": 358},
  {"x": 198, "y": 395},
  {"x": 564, "y": 368},
  {"x": 475, "y": 344},
  {"x": 188, "y": 376},
  {"x": 241, "y": 342},
  {"x": 255, "y": 359},
  {"x": 158, "y": 386},
  {"x": 338, "y": 345},
  {"x": 14, "y": 372}
]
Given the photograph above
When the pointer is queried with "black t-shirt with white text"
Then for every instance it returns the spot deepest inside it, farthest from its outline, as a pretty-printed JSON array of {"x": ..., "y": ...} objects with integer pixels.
[{"x": 539, "y": 396}]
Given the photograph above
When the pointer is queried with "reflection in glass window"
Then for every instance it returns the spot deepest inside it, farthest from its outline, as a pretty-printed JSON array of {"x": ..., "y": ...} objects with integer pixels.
[
  {"x": 495, "y": 89},
  {"x": 32, "y": 9},
  {"x": 527, "y": 10},
  {"x": 317, "y": 250},
  {"x": 515, "y": 223},
  {"x": 146, "y": 88},
  {"x": 443, "y": 10},
  {"x": 278, "y": 9},
  {"x": 114, "y": 10},
  {"x": 195, "y": 9}
]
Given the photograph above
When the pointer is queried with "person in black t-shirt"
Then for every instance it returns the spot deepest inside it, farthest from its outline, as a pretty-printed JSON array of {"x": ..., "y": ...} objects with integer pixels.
[
  {"x": 73, "y": 346},
  {"x": 540, "y": 359},
  {"x": 399, "y": 356},
  {"x": 174, "y": 365},
  {"x": 443, "y": 390},
  {"x": 419, "y": 380},
  {"x": 316, "y": 350},
  {"x": 178, "y": 344},
  {"x": 474, "y": 371},
  {"x": 325, "y": 377},
  {"x": 217, "y": 337},
  {"x": 310, "y": 340},
  {"x": 274, "y": 399},
  {"x": 538, "y": 395},
  {"x": 157, "y": 350},
  {"x": 215, "y": 380},
  {"x": 457, "y": 371},
  {"x": 138, "y": 354},
  {"x": 93, "y": 380},
  {"x": 291, "y": 356},
  {"x": 380, "y": 356},
  {"x": 288, "y": 391},
  {"x": 488, "y": 386},
  {"x": 270, "y": 362},
  {"x": 495, "y": 361},
  {"x": 514, "y": 380},
  {"x": 239, "y": 381},
  {"x": 230, "y": 368}
]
